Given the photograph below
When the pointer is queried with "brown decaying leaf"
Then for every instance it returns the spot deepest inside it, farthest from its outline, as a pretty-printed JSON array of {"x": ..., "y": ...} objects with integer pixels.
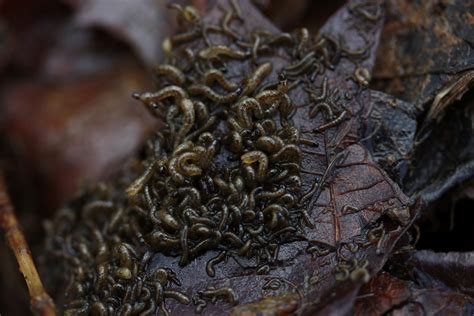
[
  {"x": 386, "y": 294},
  {"x": 76, "y": 131},
  {"x": 426, "y": 58},
  {"x": 143, "y": 24},
  {"x": 425, "y": 44},
  {"x": 453, "y": 270}
]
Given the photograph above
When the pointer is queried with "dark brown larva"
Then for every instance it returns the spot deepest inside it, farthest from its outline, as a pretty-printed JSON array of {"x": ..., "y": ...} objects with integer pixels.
[
  {"x": 225, "y": 24},
  {"x": 332, "y": 123},
  {"x": 172, "y": 73},
  {"x": 214, "y": 75},
  {"x": 207, "y": 92},
  {"x": 212, "y": 262},
  {"x": 224, "y": 293},
  {"x": 251, "y": 83},
  {"x": 221, "y": 50}
]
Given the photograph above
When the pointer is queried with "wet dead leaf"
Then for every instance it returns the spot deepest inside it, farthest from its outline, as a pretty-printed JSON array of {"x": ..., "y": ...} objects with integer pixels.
[
  {"x": 142, "y": 24},
  {"x": 425, "y": 44},
  {"x": 454, "y": 270},
  {"x": 426, "y": 58},
  {"x": 385, "y": 294},
  {"x": 76, "y": 131}
]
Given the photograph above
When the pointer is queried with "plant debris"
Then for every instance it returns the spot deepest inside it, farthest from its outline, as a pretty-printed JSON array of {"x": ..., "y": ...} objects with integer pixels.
[{"x": 41, "y": 302}]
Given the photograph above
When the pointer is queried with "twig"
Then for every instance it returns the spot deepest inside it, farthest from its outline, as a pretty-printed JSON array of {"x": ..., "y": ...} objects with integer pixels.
[{"x": 41, "y": 302}]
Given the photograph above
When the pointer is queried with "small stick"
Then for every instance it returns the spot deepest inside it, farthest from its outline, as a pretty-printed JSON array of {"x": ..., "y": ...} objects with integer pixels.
[{"x": 41, "y": 302}]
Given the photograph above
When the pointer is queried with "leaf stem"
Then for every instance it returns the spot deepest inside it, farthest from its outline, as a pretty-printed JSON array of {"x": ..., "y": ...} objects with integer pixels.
[{"x": 41, "y": 302}]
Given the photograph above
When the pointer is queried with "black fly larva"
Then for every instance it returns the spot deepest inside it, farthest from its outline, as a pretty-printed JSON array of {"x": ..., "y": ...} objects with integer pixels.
[
  {"x": 322, "y": 96},
  {"x": 261, "y": 158},
  {"x": 315, "y": 190},
  {"x": 362, "y": 76},
  {"x": 269, "y": 144},
  {"x": 173, "y": 74},
  {"x": 188, "y": 13},
  {"x": 215, "y": 75},
  {"x": 341, "y": 117},
  {"x": 140, "y": 182},
  {"x": 201, "y": 112},
  {"x": 251, "y": 83},
  {"x": 314, "y": 110},
  {"x": 213, "y": 261},
  {"x": 301, "y": 66},
  {"x": 187, "y": 164},
  {"x": 187, "y": 109},
  {"x": 224, "y": 293},
  {"x": 217, "y": 51},
  {"x": 288, "y": 153},
  {"x": 362, "y": 10},
  {"x": 357, "y": 54},
  {"x": 247, "y": 108},
  {"x": 205, "y": 91},
  {"x": 225, "y": 24},
  {"x": 237, "y": 10},
  {"x": 152, "y": 98},
  {"x": 303, "y": 40},
  {"x": 186, "y": 36},
  {"x": 255, "y": 47}
]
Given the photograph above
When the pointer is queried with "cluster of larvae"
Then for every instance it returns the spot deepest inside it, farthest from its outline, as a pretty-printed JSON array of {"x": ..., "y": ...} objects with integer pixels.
[{"x": 224, "y": 174}]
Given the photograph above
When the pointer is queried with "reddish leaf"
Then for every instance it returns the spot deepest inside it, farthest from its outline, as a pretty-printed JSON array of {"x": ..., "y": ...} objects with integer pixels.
[
  {"x": 76, "y": 132},
  {"x": 386, "y": 294}
]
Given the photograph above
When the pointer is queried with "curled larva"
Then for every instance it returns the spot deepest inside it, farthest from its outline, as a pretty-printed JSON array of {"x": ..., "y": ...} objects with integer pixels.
[
  {"x": 289, "y": 153},
  {"x": 187, "y": 108},
  {"x": 269, "y": 144},
  {"x": 225, "y": 293},
  {"x": 152, "y": 98},
  {"x": 251, "y": 83},
  {"x": 166, "y": 218},
  {"x": 245, "y": 108},
  {"x": 261, "y": 158},
  {"x": 332, "y": 123},
  {"x": 199, "y": 89},
  {"x": 201, "y": 111},
  {"x": 186, "y": 164},
  {"x": 225, "y": 24},
  {"x": 215, "y": 75}
]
